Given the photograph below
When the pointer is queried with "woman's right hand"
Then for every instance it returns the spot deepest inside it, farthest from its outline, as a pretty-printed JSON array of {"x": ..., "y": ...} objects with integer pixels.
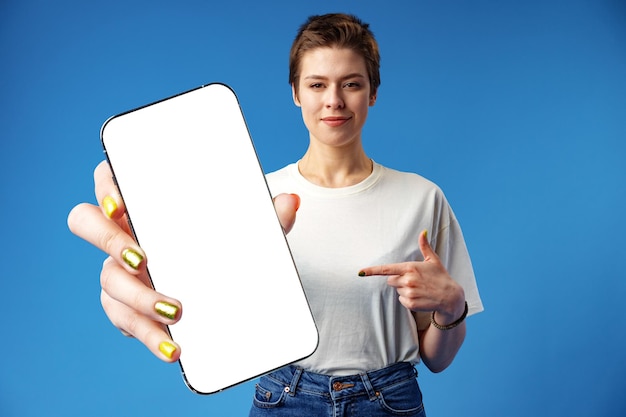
[{"x": 127, "y": 296}]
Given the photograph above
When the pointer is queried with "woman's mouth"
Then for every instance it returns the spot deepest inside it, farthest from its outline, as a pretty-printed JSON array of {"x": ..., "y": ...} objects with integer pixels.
[{"x": 335, "y": 121}]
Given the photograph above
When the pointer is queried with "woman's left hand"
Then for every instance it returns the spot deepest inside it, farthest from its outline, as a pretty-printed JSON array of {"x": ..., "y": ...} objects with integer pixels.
[{"x": 424, "y": 285}]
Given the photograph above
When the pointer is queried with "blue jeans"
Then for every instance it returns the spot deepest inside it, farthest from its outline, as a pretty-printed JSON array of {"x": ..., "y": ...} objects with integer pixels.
[{"x": 293, "y": 392}]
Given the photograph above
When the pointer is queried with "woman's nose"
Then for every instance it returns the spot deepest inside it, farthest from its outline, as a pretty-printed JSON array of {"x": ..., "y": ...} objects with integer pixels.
[{"x": 334, "y": 98}]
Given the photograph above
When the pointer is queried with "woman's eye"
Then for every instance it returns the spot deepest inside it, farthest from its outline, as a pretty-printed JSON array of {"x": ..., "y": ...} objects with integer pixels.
[
  {"x": 316, "y": 85},
  {"x": 352, "y": 85}
]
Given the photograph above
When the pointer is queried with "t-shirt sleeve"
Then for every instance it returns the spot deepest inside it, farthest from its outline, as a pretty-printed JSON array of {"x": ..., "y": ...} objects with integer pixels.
[{"x": 449, "y": 245}]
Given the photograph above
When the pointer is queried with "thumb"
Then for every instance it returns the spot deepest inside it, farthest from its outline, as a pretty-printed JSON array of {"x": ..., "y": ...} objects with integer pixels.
[
  {"x": 425, "y": 247},
  {"x": 286, "y": 206}
]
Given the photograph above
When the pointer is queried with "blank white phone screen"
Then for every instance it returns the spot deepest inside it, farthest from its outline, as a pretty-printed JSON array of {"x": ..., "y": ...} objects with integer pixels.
[{"x": 199, "y": 206}]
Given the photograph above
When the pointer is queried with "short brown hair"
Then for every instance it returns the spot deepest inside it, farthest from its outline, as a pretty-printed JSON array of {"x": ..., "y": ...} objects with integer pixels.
[{"x": 336, "y": 30}]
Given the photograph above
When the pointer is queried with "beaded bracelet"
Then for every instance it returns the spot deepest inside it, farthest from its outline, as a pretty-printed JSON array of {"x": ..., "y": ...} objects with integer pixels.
[{"x": 451, "y": 325}]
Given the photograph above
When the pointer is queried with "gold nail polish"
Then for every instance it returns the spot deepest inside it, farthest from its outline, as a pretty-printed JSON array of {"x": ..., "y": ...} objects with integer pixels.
[
  {"x": 132, "y": 258},
  {"x": 425, "y": 233},
  {"x": 167, "y": 349},
  {"x": 109, "y": 205},
  {"x": 166, "y": 309},
  {"x": 361, "y": 273}
]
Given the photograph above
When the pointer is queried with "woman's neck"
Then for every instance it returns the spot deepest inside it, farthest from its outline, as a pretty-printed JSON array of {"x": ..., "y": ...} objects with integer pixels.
[{"x": 333, "y": 168}]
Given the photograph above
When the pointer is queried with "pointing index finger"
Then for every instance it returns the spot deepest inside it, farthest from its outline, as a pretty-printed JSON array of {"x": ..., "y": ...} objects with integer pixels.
[{"x": 384, "y": 270}]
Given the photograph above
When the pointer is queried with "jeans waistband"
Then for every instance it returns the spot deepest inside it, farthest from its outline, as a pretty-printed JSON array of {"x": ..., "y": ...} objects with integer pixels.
[{"x": 369, "y": 383}]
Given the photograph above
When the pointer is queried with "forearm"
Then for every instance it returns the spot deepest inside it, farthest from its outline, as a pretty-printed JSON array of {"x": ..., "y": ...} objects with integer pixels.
[
  {"x": 440, "y": 341},
  {"x": 438, "y": 348}
]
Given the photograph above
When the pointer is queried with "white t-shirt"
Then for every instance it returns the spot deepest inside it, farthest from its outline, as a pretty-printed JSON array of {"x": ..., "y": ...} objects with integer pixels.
[{"x": 339, "y": 231}]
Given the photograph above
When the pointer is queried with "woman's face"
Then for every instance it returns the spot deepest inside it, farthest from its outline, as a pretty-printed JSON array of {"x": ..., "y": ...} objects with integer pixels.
[{"x": 334, "y": 95}]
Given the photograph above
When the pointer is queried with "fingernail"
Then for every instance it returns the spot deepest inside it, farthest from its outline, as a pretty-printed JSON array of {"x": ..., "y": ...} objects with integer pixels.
[
  {"x": 361, "y": 273},
  {"x": 132, "y": 258},
  {"x": 166, "y": 309},
  {"x": 109, "y": 205},
  {"x": 425, "y": 232},
  {"x": 167, "y": 349}
]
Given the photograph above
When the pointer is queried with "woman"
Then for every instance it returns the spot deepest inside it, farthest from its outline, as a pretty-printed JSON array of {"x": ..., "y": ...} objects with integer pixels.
[{"x": 384, "y": 293}]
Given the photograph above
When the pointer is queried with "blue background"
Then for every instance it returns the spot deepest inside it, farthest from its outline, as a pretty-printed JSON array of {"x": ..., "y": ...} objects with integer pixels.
[{"x": 516, "y": 109}]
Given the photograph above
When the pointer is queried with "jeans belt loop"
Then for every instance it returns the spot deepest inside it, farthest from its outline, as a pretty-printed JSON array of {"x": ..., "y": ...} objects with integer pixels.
[
  {"x": 368, "y": 386},
  {"x": 294, "y": 380}
]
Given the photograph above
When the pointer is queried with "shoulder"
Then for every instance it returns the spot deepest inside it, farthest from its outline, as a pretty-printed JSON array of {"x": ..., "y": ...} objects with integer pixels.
[
  {"x": 409, "y": 181},
  {"x": 280, "y": 180},
  {"x": 278, "y": 174},
  {"x": 414, "y": 192}
]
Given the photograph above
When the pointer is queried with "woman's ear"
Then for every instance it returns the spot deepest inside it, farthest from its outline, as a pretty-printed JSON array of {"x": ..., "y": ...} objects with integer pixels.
[
  {"x": 294, "y": 94},
  {"x": 373, "y": 100}
]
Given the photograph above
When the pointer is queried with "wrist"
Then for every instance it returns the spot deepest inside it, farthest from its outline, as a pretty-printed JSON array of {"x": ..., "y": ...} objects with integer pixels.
[
  {"x": 449, "y": 325},
  {"x": 454, "y": 311}
]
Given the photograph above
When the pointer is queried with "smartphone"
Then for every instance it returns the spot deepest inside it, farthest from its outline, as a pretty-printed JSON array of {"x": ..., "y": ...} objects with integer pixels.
[{"x": 199, "y": 206}]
